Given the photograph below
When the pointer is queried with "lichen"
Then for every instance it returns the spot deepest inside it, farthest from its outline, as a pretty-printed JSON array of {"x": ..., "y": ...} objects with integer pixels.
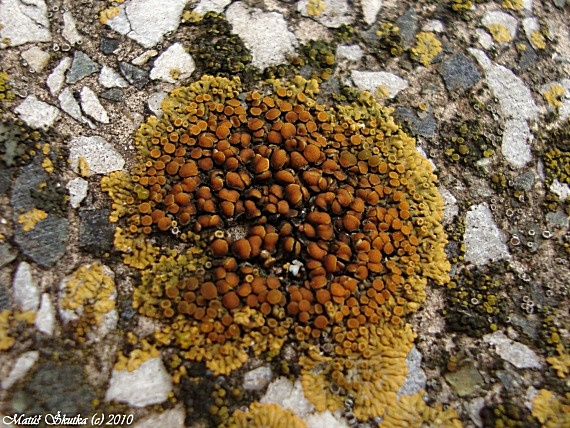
[
  {"x": 29, "y": 219},
  {"x": 265, "y": 416},
  {"x": 280, "y": 219},
  {"x": 499, "y": 32},
  {"x": 11, "y": 323},
  {"x": 426, "y": 49},
  {"x": 554, "y": 95},
  {"x": 413, "y": 411},
  {"x": 550, "y": 410}
]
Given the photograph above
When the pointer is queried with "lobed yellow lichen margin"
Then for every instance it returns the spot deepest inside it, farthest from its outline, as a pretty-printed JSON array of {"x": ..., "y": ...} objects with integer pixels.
[
  {"x": 264, "y": 416},
  {"x": 29, "y": 219},
  {"x": 412, "y": 411},
  {"x": 550, "y": 410}
]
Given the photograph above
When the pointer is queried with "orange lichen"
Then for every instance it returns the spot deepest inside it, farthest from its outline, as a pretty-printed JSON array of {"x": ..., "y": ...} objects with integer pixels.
[
  {"x": 265, "y": 416},
  {"x": 292, "y": 219}
]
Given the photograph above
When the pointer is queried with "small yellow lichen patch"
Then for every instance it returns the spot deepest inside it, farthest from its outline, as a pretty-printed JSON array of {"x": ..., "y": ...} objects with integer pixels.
[
  {"x": 145, "y": 352},
  {"x": 9, "y": 322},
  {"x": 48, "y": 165},
  {"x": 554, "y": 95},
  {"x": 46, "y": 149},
  {"x": 265, "y": 416},
  {"x": 83, "y": 167},
  {"x": 561, "y": 362},
  {"x": 29, "y": 219},
  {"x": 538, "y": 40},
  {"x": 175, "y": 73},
  {"x": 316, "y": 7},
  {"x": 382, "y": 92},
  {"x": 426, "y": 49},
  {"x": 108, "y": 13},
  {"x": 90, "y": 293},
  {"x": 551, "y": 411},
  {"x": 137, "y": 252},
  {"x": 191, "y": 16},
  {"x": 499, "y": 32},
  {"x": 513, "y": 4}
]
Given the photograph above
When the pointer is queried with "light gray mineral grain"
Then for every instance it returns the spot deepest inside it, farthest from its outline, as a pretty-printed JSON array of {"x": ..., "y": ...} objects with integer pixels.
[
  {"x": 562, "y": 190},
  {"x": 416, "y": 378},
  {"x": 564, "y": 109},
  {"x": 70, "y": 105},
  {"x": 149, "y": 384},
  {"x": 81, "y": 67},
  {"x": 22, "y": 365},
  {"x": 155, "y": 103},
  {"x": 253, "y": 26},
  {"x": 530, "y": 25},
  {"x": 36, "y": 58},
  {"x": 515, "y": 143},
  {"x": 23, "y": 21},
  {"x": 57, "y": 77},
  {"x": 349, "y": 52},
  {"x": 217, "y": 6},
  {"x": 109, "y": 78},
  {"x": 484, "y": 38},
  {"x": 450, "y": 207},
  {"x": 371, "y": 80},
  {"x": 70, "y": 32},
  {"x": 143, "y": 58},
  {"x": 101, "y": 157},
  {"x": 147, "y": 21},
  {"x": 484, "y": 241},
  {"x": 257, "y": 379},
  {"x": 36, "y": 113},
  {"x": 173, "y": 64},
  {"x": 77, "y": 189},
  {"x": 501, "y": 18},
  {"x": 334, "y": 13},
  {"x": 92, "y": 107},
  {"x": 45, "y": 317},
  {"x": 25, "y": 289},
  {"x": 288, "y": 395},
  {"x": 518, "y": 354},
  {"x": 434, "y": 25},
  {"x": 370, "y": 9},
  {"x": 515, "y": 98}
]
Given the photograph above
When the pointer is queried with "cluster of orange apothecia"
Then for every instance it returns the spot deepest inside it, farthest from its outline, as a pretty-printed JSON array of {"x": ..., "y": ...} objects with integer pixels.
[{"x": 322, "y": 219}]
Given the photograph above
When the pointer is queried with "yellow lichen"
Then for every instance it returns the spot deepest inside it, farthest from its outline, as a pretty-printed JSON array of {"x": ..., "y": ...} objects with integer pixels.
[
  {"x": 513, "y": 4},
  {"x": 83, "y": 167},
  {"x": 10, "y": 322},
  {"x": 554, "y": 95},
  {"x": 560, "y": 362},
  {"x": 89, "y": 294},
  {"x": 550, "y": 410},
  {"x": 219, "y": 283},
  {"x": 109, "y": 13},
  {"x": 538, "y": 40},
  {"x": 265, "y": 416},
  {"x": 144, "y": 351},
  {"x": 47, "y": 164},
  {"x": 412, "y": 411},
  {"x": 382, "y": 91},
  {"x": 316, "y": 7},
  {"x": 499, "y": 32},
  {"x": 29, "y": 219},
  {"x": 426, "y": 49}
]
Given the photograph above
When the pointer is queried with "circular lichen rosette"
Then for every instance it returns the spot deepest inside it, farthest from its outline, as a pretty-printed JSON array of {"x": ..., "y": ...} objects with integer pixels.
[{"x": 261, "y": 218}]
